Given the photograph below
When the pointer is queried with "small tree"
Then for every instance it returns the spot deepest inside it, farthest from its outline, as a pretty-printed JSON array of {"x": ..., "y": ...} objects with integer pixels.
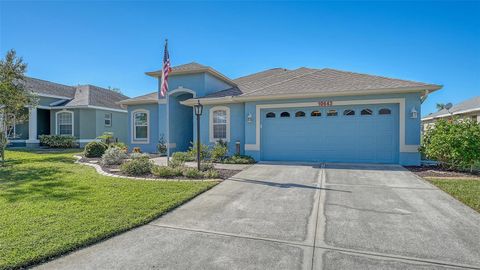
[
  {"x": 14, "y": 97},
  {"x": 440, "y": 106},
  {"x": 454, "y": 142}
]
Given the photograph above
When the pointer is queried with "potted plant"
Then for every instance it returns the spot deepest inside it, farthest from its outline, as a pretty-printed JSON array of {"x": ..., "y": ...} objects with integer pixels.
[{"x": 162, "y": 146}]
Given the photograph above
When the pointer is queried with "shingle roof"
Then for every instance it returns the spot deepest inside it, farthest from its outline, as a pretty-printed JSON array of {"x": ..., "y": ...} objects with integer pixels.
[
  {"x": 467, "y": 105},
  {"x": 147, "y": 97},
  {"x": 311, "y": 81},
  {"x": 49, "y": 88},
  {"x": 83, "y": 95},
  {"x": 90, "y": 95},
  {"x": 193, "y": 68}
]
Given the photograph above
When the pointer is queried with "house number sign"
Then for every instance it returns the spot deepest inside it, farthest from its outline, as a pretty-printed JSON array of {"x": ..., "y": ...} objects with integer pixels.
[{"x": 325, "y": 103}]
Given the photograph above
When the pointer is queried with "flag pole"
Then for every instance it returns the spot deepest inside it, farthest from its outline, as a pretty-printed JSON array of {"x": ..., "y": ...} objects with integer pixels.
[{"x": 168, "y": 113}]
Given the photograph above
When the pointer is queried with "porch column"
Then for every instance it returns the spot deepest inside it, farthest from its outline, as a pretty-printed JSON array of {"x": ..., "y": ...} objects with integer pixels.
[{"x": 32, "y": 126}]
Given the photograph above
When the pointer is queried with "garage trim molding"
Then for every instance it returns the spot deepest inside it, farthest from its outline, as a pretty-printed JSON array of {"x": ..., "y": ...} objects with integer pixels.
[{"x": 401, "y": 101}]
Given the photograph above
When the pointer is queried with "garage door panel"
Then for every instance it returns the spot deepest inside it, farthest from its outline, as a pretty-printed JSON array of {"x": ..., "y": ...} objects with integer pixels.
[{"x": 358, "y": 138}]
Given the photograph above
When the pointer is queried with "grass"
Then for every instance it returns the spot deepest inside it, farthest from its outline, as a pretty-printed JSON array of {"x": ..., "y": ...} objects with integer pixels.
[
  {"x": 465, "y": 190},
  {"x": 49, "y": 205}
]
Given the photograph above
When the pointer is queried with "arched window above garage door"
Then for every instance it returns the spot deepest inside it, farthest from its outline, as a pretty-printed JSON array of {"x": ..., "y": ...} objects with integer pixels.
[
  {"x": 299, "y": 114},
  {"x": 270, "y": 115},
  {"x": 366, "y": 112},
  {"x": 316, "y": 113},
  {"x": 332, "y": 113},
  {"x": 384, "y": 111},
  {"x": 349, "y": 112},
  {"x": 285, "y": 114}
]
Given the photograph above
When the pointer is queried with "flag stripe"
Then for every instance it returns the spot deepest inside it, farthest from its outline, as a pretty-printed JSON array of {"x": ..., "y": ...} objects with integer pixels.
[{"x": 165, "y": 71}]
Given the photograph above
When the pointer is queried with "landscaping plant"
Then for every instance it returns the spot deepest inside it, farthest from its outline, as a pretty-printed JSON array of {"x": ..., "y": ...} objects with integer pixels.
[
  {"x": 192, "y": 173},
  {"x": 166, "y": 171},
  {"x": 219, "y": 151},
  {"x": 136, "y": 155},
  {"x": 239, "y": 159},
  {"x": 137, "y": 167},
  {"x": 162, "y": 146},
  {"x": 95, "y": 149},
  {"x": 113, "y": 156},
  {"x": 204, "y": 151},
  {"x": 182, "y": 157},
  {"x": 58, "y": 141},
  {"x": 455, "y": 143}
]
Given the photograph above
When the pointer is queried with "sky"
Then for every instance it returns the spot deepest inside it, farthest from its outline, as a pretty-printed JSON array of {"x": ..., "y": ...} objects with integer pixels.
[{"x": 113, "y": 43}]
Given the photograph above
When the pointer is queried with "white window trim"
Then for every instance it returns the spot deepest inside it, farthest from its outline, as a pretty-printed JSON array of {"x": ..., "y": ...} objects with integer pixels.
[
  {"x": 104, "y": 118},
  {"x": 405, "y": 148},
  {"x": 227, "y": 111},
  {"x": 133, "y": 132},
  {"x": 56, "y": 121}
]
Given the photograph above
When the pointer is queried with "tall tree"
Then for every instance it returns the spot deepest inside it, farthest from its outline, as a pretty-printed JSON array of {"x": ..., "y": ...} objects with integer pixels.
[{"x": 14, "y": 97}]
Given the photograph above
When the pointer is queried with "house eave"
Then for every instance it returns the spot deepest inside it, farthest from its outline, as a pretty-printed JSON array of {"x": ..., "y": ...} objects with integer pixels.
[
  {"x": 453, "y": 113},
  {"x": 239, "y": 99},
  {"x": 218, "y": 75}
]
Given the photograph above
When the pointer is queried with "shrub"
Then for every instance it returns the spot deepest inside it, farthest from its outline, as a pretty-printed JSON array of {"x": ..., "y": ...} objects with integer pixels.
[
  {"x": 182, "y": 157},
  {"x": 58, "y": 141},
  {"x": 107, "y": 138},
  {"x": 136, "y": 167},
  {"x": 136, "y": 155},
  {"x": 113, "y": 156},
  {"x": 95, "y": 149},
  {"x": 239, "y": 159},
  {"x": 205, "y": 166},
  {"x": 455, "y": 143},
  {"x": 219, "y": 151},
  {"x": 192, "y": 173},
  {"x": 204, "y": 151},
  {"x": 212, "y": 174},
  {"x": 165, "y": 171},
  {"x": 162, "y": 145},
  {"x": 120, "y": 145}
]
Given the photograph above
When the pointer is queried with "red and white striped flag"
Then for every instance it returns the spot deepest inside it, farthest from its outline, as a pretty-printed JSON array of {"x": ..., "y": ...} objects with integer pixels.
[{"x": 165, "y": 70}]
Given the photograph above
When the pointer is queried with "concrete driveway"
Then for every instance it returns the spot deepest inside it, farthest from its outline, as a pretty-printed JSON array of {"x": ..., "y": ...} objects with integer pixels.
[{"x": 292, "y": 216}]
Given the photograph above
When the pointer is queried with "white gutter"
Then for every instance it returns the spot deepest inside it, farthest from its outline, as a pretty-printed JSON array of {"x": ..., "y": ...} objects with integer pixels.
[
  {"x": 239, "y": 99},
  {"x": 89, "y": 107}
]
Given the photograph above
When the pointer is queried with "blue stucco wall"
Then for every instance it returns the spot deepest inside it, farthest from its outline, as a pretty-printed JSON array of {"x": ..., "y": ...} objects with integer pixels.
[
  {"x": 237, "y": 126},
  {"x": 153, "y": 131}
]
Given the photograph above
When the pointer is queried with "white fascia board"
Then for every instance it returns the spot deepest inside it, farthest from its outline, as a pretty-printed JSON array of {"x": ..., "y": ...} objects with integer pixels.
[
  {"x": 52, "y": 96},
  {"x": 240, "y": 99},
  {"x": 89, "y": 107}
]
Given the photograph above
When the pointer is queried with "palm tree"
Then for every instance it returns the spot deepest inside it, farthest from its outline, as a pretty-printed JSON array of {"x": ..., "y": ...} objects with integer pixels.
[{"x": 440, "y": 106}]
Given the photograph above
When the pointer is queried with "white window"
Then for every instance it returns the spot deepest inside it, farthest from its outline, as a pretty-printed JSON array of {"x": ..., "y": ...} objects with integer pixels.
[
  {"x": 140, "y": 125},
  {"x": 64, "y": 123},
  {"x": 108, "y": 119},
  {"x": 220, "y": 124}
]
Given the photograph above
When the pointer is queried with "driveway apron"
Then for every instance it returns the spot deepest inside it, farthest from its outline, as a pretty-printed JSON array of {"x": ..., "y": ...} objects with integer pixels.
[{"x": 301, "y": 216}]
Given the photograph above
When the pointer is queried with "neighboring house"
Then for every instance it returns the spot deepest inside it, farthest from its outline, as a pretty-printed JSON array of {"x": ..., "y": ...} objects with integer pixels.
[
  {"x": 85, "y": 112},
  {"x": 468, "y": 109},
  {"x": 305, "y": 114}
]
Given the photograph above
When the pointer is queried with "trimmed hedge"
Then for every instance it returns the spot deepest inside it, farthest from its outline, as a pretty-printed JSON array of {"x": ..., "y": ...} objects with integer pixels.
[{"x": 58, "y": 141}]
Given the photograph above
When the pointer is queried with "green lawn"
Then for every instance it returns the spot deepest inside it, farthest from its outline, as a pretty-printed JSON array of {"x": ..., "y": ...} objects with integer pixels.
[
  {"x": 464, "y": 190},
  {"x": 49, "y": 205}
]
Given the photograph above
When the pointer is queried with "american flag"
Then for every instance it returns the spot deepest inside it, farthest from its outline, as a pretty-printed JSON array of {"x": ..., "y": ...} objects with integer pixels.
[{"x": 165, "y": 71}]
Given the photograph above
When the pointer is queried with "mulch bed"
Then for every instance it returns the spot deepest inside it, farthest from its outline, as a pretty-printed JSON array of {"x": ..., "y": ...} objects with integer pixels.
[
  {"x": 115, "y": 169},
  {"x": 435, "y": 171}
]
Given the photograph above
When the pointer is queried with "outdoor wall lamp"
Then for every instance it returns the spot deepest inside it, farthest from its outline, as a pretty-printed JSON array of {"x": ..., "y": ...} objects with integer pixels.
[
  {"x": 413, "y": 113},
  {"x": 249, "y": 118}
]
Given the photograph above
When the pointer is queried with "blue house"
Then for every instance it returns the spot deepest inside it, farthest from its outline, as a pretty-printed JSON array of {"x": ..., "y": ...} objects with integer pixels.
[
  {"x": 305, "y": 114},
  {"x": 83, "y": 111}
]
